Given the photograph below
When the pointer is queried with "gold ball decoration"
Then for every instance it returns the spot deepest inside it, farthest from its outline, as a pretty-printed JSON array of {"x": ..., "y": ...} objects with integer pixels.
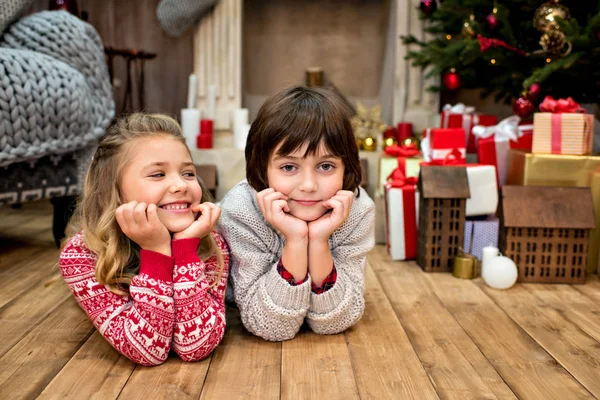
[
  {"x": 409, "y": 141},
  {"x": 389, "y": 141},
  {"x": 553, "y": 41},
  {"x": 544, "y": 18},
  {"x": 467, "y": 28},
  {"x": 370, "y": 144},
  {"x": 359, "y": 143}
]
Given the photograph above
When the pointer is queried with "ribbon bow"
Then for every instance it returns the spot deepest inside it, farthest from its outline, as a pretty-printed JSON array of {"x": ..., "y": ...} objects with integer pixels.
[
  {"x": 568, "y": 105},
  {"x": 506, "y": 129},
  {"x": 458, "y": 108},
  {"x": 410, "y": 150},
  {"x": 398, "y": 178},
  {"x": 454, "y": 157}
]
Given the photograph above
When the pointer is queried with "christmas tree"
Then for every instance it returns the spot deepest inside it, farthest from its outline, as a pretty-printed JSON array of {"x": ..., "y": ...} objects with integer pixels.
[{"x": 512, "y": 49}]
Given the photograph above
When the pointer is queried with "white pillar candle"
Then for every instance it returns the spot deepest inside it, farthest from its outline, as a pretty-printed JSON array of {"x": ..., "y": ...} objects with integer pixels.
[
  {"x": 190, "y": 125},
  {"x": 192, "y": 86},
  {"x": 240, "y": 119},
  {"x": 489, "y": 253},
  {"x": 241, "y": 136},
  {"x": 212, "y": 101}
]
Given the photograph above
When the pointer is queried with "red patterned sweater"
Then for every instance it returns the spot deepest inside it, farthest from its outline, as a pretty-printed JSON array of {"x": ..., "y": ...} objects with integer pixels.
[{"x": 170, "y": 304}]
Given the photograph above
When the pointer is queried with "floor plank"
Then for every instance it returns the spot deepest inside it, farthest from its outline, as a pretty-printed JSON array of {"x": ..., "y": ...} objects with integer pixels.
[
  {"x": 96, "y": 371},
  {"x": 574, "y": 349},
  {"x": 243, "y": 365},
  {"x": 175, "y": 379},
  {"x": 456, "y": 366},
  {"x": 31, "y": 364},
  {"x": 529, "y": 371},
  {"x": 24, "y": 313},
  {"x": 314, "y": 364},
  {"x": 384, "y": 361}
]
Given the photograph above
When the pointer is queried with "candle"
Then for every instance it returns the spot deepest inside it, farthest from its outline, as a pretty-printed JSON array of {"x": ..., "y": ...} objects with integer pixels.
[
  {"x": 206, "y": 126},
  {"x": 205, "y": 139},
  {"x": 466, "y": 266},
  {"x": 212, "y": 101},
  {"x": 405, "y": 130},
  {"x": 192, "y": 86},
  {"x": 190, "y": 121},
  {"x": 489, "y": 253},
  {"x": 240, "y": 131}
]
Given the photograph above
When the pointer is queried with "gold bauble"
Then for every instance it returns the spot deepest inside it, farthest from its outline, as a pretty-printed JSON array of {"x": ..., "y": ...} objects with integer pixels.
[
  {"x": 467, "y": 30},
  {"x": 544, "y": 18},
  {"x": 410, "y": 140},
  {"x": 370, "y": 144},
  {"x": 359, "y": 143},
  {"x": 389, "y": 141},
  {"x": 553, "y": 41}
]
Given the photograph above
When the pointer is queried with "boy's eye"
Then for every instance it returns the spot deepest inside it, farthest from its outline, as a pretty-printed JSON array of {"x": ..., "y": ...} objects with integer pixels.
[
  {"x": 189, "y": 174},
  {"x": 288, "y": 168}
]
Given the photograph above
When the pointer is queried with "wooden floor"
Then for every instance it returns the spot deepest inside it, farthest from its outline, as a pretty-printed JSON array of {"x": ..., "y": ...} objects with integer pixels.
[{"x": 422, "y": 336}]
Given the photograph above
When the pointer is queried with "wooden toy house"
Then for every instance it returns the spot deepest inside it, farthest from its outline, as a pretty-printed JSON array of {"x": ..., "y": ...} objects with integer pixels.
[
  {"x": 443, "y": 194},
  {"x": 545, "y": 231}
]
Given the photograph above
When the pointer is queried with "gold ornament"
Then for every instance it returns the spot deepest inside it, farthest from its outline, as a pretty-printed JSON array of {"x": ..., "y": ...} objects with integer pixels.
[
  {"x": 370, "y": 144},
  {"x": 467, "y": 28},
  {"x": 553, "y": 41},
  {"x": 367, "y": 124},
  {"x": 359, "y": 143},
  {"x": 410, "y": 140},
  {"x": 389, "y": 141},
  {"x": 545, "y": 16}
]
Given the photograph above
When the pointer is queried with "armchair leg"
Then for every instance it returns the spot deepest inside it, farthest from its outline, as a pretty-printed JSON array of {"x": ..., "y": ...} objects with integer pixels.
[{"x": 63, "y": 210}]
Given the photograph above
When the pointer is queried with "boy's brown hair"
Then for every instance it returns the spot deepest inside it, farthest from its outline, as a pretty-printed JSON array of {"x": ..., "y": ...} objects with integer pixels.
[{"x": 294, "y": 117}]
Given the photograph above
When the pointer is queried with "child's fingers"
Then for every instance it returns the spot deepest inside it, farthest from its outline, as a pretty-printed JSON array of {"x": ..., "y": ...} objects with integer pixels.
[
  {"x": 139, "y": 214},
  {"x": 152, "y": 212},
  {"x": 216, "y": 213},
  {"x": 260, "y": 198},
  {"x": 278, "y": 205},
  {"x": 121, "y": 219}
]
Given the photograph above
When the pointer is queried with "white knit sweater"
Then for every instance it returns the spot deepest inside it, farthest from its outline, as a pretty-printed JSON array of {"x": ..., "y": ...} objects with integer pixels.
[{"x": 269, "y": 306}]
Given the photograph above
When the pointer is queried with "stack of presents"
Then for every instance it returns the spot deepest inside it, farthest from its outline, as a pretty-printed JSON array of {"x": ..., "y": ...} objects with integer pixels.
[{"x": 532, "y": 189}]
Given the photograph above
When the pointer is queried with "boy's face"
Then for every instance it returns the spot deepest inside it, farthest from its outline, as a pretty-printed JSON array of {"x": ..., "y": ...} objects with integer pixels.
[
  {"x": 160, "y": 171},
  {"x": 306, "y": 181}
]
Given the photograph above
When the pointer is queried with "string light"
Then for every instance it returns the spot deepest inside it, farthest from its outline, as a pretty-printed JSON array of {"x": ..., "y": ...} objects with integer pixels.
[
  {"x": 548, "y": 59},
  {"x": 493, "y": 61},
  {"x": 448, "y": 37}
]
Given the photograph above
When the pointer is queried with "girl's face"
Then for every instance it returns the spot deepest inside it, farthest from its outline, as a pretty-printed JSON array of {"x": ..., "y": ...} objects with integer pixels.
[
  {"x": 160, "y": 171},
  {"x": 306, "y": 181}
]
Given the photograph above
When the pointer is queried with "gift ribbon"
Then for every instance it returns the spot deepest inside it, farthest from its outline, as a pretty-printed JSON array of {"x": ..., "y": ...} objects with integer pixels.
[
  {"x": 398, "y": 180},
  {"x": 454, "y": 157},
  {"x": 507, "y": 129},
  {"x": 409, "y": 150},
  {"x": 568, "y": 105},
  {"x": 458, "y": 108}
]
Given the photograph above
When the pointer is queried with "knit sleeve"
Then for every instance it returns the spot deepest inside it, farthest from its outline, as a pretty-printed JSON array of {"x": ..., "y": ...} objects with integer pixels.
[
  {"x": 199, "y": 308},
  {"x": 269, "y": 306},
  {"x": 139, "y": 326},
  {"x": 340, "y": 307}
]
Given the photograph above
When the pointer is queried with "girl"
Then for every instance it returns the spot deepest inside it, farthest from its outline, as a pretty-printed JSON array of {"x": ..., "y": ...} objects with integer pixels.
[
  {"x": 144, "y": 264},
  {"x": 299, "y": 227}
]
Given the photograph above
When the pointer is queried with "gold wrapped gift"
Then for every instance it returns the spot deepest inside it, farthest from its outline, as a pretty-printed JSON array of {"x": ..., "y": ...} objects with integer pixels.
[{"x": 560, "y": 170}]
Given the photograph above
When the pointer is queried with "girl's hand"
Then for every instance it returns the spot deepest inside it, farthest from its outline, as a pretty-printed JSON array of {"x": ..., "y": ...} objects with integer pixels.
[
  {"x": 275, "y": 209},
  {"x": 340, "y": 204},
  {"x": 140, "y": 223},
  {"x": 204, "y": 223}
]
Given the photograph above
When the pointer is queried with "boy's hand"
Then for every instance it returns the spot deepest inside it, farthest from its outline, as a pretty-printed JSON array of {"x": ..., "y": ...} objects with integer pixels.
[
  {"x": 204, "y": 223},
  {"x": 140, "y": 223},
  {"x": 340, "y": 205},
  {"x": 275, "y": 209}
]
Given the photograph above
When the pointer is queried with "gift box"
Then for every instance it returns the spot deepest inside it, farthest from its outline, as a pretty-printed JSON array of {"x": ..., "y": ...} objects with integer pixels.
[
  {"x": 562, "y": 128},
  {"x": 560, "y": 170},
  {"x": 480, "y": 234},
  {"x": 525, "y": 137},
  {"x": 484, "y": 190},
  {"x": 401, "y": 213},
  {"x": 563, "y": 133},
  {"x": 441, "y": 144},
  {"x": 461, "y": 116},
  {"x": 388, "y": 164}
]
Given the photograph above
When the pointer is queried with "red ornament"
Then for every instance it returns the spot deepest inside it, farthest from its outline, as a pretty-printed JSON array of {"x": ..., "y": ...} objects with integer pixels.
[
  {"x": 428, "y": 7},
  {"x": 451, "y": 80},
  {"x": 492, "y": 22},
  {"x": 534, "y": 92},
  {"x": 523, "y": 107}
]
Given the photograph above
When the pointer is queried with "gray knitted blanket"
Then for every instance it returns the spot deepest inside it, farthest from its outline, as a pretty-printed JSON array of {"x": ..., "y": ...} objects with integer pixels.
[{"x": 55, "y": 92}]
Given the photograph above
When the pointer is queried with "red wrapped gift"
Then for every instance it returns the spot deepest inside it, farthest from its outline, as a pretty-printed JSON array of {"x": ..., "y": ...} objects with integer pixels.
[
  {"x": 493, "y": 144},
  {"x": 440, "y": 142},
  {"x": 524, "y": 137},
  {"x": 461, "y": 116},
  {"x": 401, "y": 212}
]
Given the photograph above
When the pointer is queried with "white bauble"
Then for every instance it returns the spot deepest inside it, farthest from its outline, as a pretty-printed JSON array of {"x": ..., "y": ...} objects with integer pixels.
[{"x": 500, "y": 272}]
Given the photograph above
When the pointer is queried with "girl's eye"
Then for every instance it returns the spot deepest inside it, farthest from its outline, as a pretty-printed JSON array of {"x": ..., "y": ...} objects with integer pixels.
[
  {"x": 189, "y": 174},
  {"x": 288, "y": 168},
  {"x": 157, "y": 175},
  {"x": 327, "y": 167}
]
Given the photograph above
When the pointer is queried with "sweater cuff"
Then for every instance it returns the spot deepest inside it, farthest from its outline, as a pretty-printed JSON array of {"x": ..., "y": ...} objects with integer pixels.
[
  {"x": 285, "y": 295},
  {"x": 328, "y": 301},
  {"x": 156, "y": 265},
  {"x": 185, "y": 250}
]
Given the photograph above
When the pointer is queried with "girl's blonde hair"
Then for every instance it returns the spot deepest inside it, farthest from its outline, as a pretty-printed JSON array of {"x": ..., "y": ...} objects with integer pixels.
[{"x": 118, "y": 256}]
